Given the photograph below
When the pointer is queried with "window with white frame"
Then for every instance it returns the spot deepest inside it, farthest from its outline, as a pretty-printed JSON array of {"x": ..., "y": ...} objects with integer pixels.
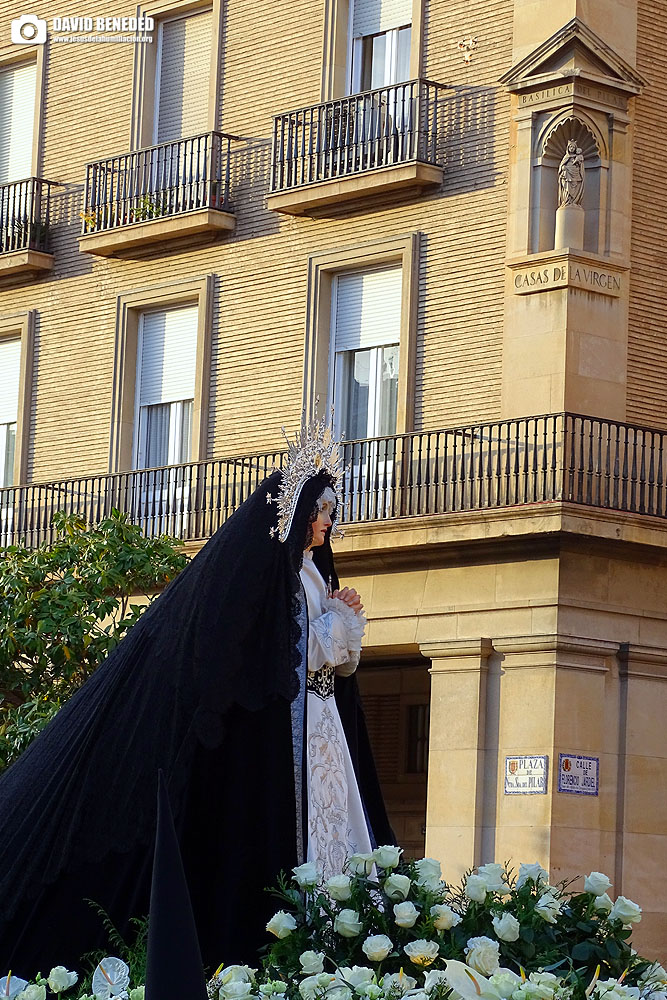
[
  {"x": 366, "y": 322},
  {"x": 17, "y": 103},
  {"x": 10, "y": 360},
  {"x": 165, "y": 386},
  {"x": 380, "y": 41},
  {"x": 182, "y": 76}
]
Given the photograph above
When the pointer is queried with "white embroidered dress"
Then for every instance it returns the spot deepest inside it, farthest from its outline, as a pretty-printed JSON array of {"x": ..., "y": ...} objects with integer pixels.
[{"x": 336, "y": 822}]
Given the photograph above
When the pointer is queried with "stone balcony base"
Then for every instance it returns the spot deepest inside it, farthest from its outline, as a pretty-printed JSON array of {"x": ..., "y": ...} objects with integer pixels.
[
  {"x": 138, "y": 235},
  {"x": 325, "y": 197},
  {"x": 25, "y": 262}
]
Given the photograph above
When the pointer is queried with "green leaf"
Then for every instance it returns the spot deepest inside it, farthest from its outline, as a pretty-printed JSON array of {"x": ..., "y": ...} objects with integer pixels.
[
  {"x": 612, "y": 948},
  {"x": 582, "y": 951}
]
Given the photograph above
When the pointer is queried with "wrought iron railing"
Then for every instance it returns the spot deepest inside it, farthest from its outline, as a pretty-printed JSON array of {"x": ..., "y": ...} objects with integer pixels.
[
  {"x": 164, "y": 180},
  {"x": 378, "y": 128},
  {"x": 508, "y": 463},
  {"x": 25, "y": 215}
]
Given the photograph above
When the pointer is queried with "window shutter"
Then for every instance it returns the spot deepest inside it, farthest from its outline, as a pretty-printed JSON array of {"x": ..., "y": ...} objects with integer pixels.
[
  {"x": 368, "y": 309},
  {"x": 10, "y": 366},
  {"x": 184, "y": 74},
  {"x": 168, "y": 356},
  {"x": 17, "y": 103},
  {"x": 373, "y": 16}
]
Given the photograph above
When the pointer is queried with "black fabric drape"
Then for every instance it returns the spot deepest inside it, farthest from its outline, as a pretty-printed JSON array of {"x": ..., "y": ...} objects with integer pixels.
[{"x": 202, "y": 689}]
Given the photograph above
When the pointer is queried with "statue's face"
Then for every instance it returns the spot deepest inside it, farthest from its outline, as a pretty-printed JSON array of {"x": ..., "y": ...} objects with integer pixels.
[{"x": 572, "y": 146}]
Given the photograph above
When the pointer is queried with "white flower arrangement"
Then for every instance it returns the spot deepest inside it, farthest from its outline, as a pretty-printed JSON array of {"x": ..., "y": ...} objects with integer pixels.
[{"x": 389, "y": 929}]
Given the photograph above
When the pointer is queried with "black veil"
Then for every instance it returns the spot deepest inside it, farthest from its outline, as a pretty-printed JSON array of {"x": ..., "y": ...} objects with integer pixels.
[{"x": 203, "y": 688}]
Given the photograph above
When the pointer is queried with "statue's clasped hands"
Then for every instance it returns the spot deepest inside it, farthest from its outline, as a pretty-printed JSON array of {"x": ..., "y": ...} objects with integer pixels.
[{"x": 349, "y": 597}]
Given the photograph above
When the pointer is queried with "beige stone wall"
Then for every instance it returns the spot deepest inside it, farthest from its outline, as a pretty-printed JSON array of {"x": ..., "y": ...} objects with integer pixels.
[
  {"x": 647, "y": 339},
  {"x": 261, "y": 270}
]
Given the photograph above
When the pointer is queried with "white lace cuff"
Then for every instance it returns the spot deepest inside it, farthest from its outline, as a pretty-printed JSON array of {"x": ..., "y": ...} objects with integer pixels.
[{"x": 355, "y": 624}]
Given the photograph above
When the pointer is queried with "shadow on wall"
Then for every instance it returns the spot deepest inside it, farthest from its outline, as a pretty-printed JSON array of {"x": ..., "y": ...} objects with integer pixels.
[
  {"x": 250, "y": 175},
  {"x": 466, "y": 139}
]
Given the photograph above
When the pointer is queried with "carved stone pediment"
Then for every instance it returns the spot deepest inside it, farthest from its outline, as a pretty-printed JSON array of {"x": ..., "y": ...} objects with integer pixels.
[{"x": 574, "y": 52}]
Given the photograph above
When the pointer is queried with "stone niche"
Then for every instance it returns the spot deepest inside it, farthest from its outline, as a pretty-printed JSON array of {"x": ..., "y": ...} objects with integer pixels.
[{"x": 572, "y": 88}]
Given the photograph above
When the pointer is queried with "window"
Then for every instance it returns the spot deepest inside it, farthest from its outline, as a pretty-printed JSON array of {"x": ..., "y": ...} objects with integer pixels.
[
  {"x": 166, "y": 361},
  {"x": 182, "y": 76},
  {"x": 10, "y": 361},
  {"x": 416, "y": 744},
  {"x": 17, "y": 102},
  {"x": 366, "y": 322},
  {"x": 381, "y": 42}
]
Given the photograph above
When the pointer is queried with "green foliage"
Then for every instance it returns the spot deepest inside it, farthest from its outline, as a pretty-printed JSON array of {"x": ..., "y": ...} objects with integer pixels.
[
  {"x": 63, "y": 608},
  {"x": 133, "y": 951}
]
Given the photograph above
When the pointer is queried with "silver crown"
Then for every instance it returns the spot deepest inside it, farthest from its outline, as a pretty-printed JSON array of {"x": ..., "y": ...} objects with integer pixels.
[{"x": 314, "y": 450}]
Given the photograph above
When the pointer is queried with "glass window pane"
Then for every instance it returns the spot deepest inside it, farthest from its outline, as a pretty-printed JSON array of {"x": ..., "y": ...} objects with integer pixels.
[
  {"x": 353, "y": 398},
  {"x": 388, "y": 391},
  {"x": 155, "y": 434},
  {"x": 403, "y": 55},
  {"x": 185, "y": 432},
  {"x": 8, "y": 434},
  {"x": 378, "y": 74}
]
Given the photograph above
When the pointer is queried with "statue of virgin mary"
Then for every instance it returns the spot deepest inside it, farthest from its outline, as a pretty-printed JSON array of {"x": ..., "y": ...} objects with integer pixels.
[{"x": 238, "y": 683}]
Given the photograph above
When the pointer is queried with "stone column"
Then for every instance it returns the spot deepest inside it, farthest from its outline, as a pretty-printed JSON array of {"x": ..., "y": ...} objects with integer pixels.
[{"x": 456, "y": 751}]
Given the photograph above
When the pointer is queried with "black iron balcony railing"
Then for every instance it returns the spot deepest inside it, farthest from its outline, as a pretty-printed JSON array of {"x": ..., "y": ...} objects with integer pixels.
[
  {"x": 158, "y": 181},
  {"x": 25, "y": 215},
  {"x": 378, "y": 128},
  {"x": 508, "y": 463}
]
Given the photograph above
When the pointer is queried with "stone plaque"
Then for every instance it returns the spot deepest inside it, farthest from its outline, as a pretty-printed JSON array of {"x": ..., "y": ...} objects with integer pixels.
[
  {"x": 567, "y": 272},
  {"x": 577, "y": 774},
  {"x": 526, "y": 775}
]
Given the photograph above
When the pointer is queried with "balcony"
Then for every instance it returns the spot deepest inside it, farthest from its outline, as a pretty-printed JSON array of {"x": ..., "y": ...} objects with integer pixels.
[
  {"x": 502, "y": 469},
  {"x": 25, "y": 220},
  {"x": 174, "y": 191},
  {"x": 378, "y": 143}
]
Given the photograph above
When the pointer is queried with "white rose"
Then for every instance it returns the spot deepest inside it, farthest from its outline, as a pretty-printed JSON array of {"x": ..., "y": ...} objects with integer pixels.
[
  {"x": 59, "y": 979},
  {"x": 545, "y": 979},
  {"x": 506, "y": 927},
  {"x": 444, "y": 917},
  {"x": 548, "y": 907},
  {"x": 482, "y": 955},
  {"x": 339, "y": 887},
  {"x": 398, "y": 981},
  {"x": 429, "y": 873},
  {"x": 272, "y": 988},
  {"x": 422, "y": 952},
  {"x": 377, "y": 947},
  {"x": 281, "y": 924},
  {"x": 33, "y": 992},
  {"x": 347, "y": 923},
  {"x": 312, "y": 986},
  {"x": 475, "y": 888},
  {"x": 339, "y": 992},
  {"x": 434, "y": 977},
  {"x": 626, "y": 911},
  {"x": 306, "y": 876},
  {"x": 597, "y": 883},
  {"x": 361, "y": 864},
  {"x": 405, "y": 914},
  {"x": 533, "y": 991},
  {"x": 494, "y": 877},
  {"x": 397, "y": 887},
  {"x": 137, "y": 993},
  {"x": 535, "y": 872},
  {"x": 505, "y": 983},
  {"x": 235, "y": 990},
  {"x": 370, "y": 990},
  {"x": 387, "y": 856},
  {"x": 236, "y": 974},
  {"x": 418, "y": 995},
  {"x": 312, "y": 963},
  {"x": 603, "y": 902},
  {"x": 357, "y": 976}
]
